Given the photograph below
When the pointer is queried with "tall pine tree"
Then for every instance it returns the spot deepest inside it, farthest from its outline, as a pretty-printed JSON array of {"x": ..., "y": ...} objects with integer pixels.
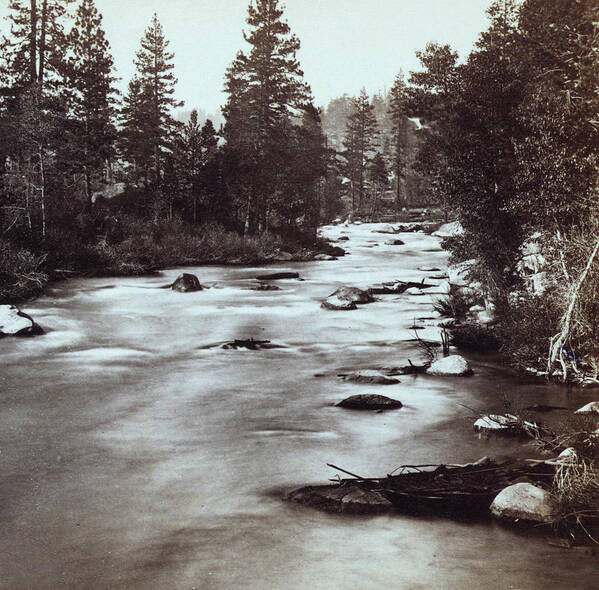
[
  {"x": 265, "y": 88},
  {"x": 90, "y": 77},
  {"x": 361, "y": 135}
]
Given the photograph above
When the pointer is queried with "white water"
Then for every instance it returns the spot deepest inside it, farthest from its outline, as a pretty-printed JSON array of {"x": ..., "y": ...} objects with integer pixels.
[{"x": 135, "y": 454}]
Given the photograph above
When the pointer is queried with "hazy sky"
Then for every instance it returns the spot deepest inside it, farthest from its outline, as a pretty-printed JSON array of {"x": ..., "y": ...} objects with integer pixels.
[{"x": 346, "y": 44}]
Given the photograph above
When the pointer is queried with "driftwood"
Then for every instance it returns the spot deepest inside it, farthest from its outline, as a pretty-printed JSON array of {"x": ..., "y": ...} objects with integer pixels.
[
  {"x": 250, "y": 344},
  {"x": 449, "y": 490},
  {"x": 558, "y": 341},
  {"x": 398, "y": 287}
]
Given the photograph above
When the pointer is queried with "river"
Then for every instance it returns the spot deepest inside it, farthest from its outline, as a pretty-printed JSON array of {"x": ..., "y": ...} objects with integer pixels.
[{"x": 138, "y": 454}]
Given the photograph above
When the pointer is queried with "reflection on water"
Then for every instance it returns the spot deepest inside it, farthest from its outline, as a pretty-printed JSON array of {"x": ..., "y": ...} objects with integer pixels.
[{"x": 136, "y": 453}]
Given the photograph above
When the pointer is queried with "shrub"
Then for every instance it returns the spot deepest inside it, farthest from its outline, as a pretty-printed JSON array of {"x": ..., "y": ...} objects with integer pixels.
[{"x": 20, "y": 274}]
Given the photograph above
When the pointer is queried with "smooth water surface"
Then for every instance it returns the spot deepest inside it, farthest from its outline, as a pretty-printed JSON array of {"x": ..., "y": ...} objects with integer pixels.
[{"x": 138, "y": 454}]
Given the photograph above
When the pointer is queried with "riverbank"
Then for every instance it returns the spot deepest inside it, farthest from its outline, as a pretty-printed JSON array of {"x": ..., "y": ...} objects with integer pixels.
[{"x": 139, "y": 249}]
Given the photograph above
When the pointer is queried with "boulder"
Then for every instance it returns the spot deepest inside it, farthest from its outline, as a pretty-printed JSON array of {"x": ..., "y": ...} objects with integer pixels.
[
  {"x": 343, "y": 238},
  {"x": 523, "y": 501},
  {"x": 451, "y": 365},
  {"x": 336, "y": 304},
  {"x": 186, "y": 283},
  {"x": 284, "y": 256},
  {"x": 414, "y": 291},
  {"x": 370, "y": 377},
  {"x": 388, "y": 229},
  {"x": 590, "y": 408},
  {"x": 395, "y": 243},
  {"x": 498, "y": 422},
  {"x": 429, "y": 269},
  {"x": 370, "y": 402},
  {"x": 448, "y": 230},
  {"x": 14, "y": 322},
  {"x": 352, "y": 294},
  {"x": 275, "y": 276},
  {"x": 334, "y": 250},
  {"x": 567, "y": 456}
]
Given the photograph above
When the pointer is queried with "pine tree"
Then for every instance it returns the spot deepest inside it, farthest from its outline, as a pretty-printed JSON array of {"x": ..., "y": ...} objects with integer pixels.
[
  {"x": 265, "y": 89},
  {"x": 398, "y": 113},
  {"x": 379, "y": 178},
  {"x": 37, "y": 44},
  {"x": 360, "y": 144},
  {"x": 90, "y": 77},
  {"x": 150, "y": 101}
]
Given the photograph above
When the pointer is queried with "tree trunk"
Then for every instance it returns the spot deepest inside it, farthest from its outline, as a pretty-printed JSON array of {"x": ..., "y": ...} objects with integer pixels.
[
  {"x": 33, "y": 42},
  {"x": 42, "y": 56}
]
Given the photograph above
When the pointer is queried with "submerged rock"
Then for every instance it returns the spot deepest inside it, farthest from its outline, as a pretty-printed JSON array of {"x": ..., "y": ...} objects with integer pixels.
[
  {"x": 324, "y": 257},
  {"x": 590, "y": 408},
  {"x": 369, "y": 402},
  {"x": 334, "y": 303},
  {"x": 186, "y": 283},
  {"x": 454, "y": 364},
  {"x": 370, "y": 377},
  {"x": 523, "y": 501},
  {"x": 343, "y": 238},
  {"x": 275, "y": 276},
  {"x": 341, "y": 498},
  {"x": 14, "y": 322},
  {"x": 265, "y": 287}
]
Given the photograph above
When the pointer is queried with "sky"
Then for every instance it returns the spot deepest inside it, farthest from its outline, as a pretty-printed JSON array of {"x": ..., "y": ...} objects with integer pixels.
[{"x": 346, "y": 44}]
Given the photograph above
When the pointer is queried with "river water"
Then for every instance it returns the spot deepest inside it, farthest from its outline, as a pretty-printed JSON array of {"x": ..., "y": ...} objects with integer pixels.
[{"x": 138, "y": 454}]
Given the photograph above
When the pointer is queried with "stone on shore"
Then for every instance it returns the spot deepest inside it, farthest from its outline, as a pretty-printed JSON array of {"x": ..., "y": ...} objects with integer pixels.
[
  {"x": 14, "y": 322},
  {"x": 590, "y": 408},
  {"x": 448, "y": 230},
  {"x": 186, "y": 283},
  {"x": 369, "y": 402},
  {"x": 523, "y": 501},
  {"x": 370, "y": 377},
  {"x": 453, "y": 365}
]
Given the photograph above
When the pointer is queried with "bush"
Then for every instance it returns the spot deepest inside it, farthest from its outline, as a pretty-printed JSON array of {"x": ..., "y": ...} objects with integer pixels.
[
  {"x": 474, "y": 337},
  {"x": 20, "y": 275}
]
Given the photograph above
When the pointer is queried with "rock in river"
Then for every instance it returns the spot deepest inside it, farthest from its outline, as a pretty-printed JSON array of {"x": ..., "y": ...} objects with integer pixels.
[
  {"x": 523, "y": 501},
  {"x": 450, "y": 365},
  {"x": 353, "y": 294},
  {"x": 275, "y": 276},
  {"x": 186, "y": 283},
  {"x": 370, "y": 377},
  {"x": 334, "y": 303},
  {"x": 370, "y": 402},
  {"x": 342, "y": 498},
  {"x": 395, "y": 243},
  {"x": 13, "y": 322}
]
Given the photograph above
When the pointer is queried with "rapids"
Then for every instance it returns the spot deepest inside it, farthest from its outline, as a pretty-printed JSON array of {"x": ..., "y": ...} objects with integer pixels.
[{"x": 138, "y": 454}]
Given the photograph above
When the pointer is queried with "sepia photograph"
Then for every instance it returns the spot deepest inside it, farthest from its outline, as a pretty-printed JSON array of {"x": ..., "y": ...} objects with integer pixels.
[{"x": 299, "y": 294}]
